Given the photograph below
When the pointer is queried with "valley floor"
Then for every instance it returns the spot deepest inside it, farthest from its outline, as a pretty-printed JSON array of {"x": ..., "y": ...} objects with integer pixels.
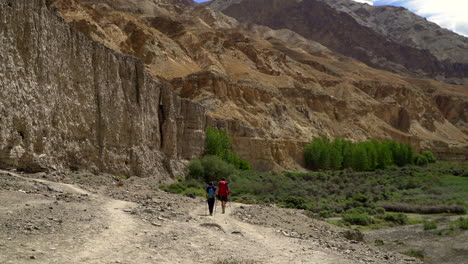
[{"x": 80, "y": 218}]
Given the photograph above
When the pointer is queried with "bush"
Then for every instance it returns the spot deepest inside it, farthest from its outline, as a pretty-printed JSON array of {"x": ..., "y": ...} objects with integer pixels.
[
  {"x": 420, "y": 160},
  {"x": 190, "y": 187},
  {"x": 195, "y": 169},
  {"x": 400, "y": 219},
  {"x": 462, "y": 223},
  {"x": 429, "y": 225},
  {"x": 361, "y": 198},
  {"x": 418, "y": 209},
  {"x": 357, "y": 219},
  {"x": 326, "y": 214},
  {"x": 429, "y": 156},
  {"x": 295, "y": 202},
  {"x": 210, "y": 168},
  {"x": 414, "y": 253},
  {"x": 174, "y": 188},
  {"x": 379, "y": 211}
]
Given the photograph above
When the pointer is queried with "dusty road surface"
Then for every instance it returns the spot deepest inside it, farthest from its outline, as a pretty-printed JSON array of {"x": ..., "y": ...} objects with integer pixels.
[{"x": 84, "y": 218}]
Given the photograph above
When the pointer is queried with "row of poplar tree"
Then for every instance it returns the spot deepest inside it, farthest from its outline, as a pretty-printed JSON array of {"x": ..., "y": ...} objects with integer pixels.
[{"x": 324, "y": 154}]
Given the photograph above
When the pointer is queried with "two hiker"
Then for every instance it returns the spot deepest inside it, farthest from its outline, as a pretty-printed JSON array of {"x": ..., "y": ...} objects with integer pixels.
[{"x": 221, "y": 192}]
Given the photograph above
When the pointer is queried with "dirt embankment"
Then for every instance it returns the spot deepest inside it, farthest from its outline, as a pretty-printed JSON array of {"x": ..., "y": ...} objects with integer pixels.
[{"x": 84, "y": 218}]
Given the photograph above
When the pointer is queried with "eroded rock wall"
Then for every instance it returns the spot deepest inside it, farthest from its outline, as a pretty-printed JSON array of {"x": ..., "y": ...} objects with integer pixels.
[{"x": 69, "y": 102}]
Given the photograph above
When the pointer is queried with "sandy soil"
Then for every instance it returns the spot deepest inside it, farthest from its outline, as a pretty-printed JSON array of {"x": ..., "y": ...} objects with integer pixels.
[
  {"x": 436, "y": 246},
  {"x": 84, "y": 218}
]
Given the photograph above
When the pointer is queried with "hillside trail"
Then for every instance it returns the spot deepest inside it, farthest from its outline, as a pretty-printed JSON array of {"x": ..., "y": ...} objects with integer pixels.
[
  {"x": 116, "y": 235},
  {"x": 247, "y": 243},
  {"x": 112, "y": 237}
]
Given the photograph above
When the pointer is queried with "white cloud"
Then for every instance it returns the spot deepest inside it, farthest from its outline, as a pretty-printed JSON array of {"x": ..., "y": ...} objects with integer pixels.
[
  {"x": 451, "y": 14},
  {"x": 365, "y": 1}
]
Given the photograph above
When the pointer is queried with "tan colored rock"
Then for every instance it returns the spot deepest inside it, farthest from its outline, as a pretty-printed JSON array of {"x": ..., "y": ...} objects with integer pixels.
[{"x": 69, "y": 102}]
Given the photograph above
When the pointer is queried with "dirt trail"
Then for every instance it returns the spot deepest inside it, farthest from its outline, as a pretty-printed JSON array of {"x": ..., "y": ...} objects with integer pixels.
[
  {"x": 115, "y": 241},
  {"x": 52, "y": 222},
  {"x": 113, "y": 237},
  {"x": 259, "y": 244}
]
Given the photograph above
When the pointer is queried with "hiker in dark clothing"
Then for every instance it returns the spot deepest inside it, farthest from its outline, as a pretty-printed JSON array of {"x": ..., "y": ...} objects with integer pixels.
[
  {"x": 211, "y": 196},
  {"x": 223, "y": 192}
]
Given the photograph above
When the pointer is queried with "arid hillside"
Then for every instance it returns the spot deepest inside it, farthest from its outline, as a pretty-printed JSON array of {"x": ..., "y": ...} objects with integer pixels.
[
  {"x": 138, "y": 102},
  {"x": 274, "y": 89}
]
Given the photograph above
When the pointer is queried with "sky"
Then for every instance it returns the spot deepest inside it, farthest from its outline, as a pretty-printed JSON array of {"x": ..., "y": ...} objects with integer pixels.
[{"x": 450, "y": 14}]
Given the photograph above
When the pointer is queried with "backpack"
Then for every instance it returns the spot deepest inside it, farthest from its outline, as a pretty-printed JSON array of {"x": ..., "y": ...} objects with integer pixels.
[
  {"x": 211, "y": 192},
  {"x": 223, "y": 188}
]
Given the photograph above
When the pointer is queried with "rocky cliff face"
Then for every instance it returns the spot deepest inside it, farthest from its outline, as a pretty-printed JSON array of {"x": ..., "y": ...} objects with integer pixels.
[
  {"x": 388, "y": 38},
  {"x": 67, "y": 101}
]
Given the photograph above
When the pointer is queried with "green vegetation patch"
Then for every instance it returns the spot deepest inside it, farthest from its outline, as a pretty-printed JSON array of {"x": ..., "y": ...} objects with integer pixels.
[
  {"x": 429, "y": 225},
  {"x": 324, "y": 154},
  {"x": 363, "y": 198},
  {"x": 414, "y": 253}
]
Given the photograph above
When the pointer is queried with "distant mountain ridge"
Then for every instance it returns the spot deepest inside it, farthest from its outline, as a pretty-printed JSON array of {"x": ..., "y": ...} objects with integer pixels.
[{"x": 385, "y": 37}]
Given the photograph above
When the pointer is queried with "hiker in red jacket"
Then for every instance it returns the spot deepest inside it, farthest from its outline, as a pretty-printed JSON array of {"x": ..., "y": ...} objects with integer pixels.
[{"x": 223, "y": 192}]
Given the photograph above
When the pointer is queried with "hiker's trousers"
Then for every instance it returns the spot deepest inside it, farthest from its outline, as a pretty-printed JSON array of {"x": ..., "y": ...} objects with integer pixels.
[{"x": 211, "y": 202}]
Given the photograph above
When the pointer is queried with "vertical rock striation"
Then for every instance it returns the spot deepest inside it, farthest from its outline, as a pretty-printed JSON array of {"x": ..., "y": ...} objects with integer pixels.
[{"x": 69, "y": 102}]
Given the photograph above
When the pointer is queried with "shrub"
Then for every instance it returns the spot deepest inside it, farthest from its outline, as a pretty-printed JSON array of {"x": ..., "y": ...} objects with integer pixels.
[
  {"x": 379, "y": 211},
  {"x": 462, "y": 223},
  {"x": 420, "y": 160},
  {"x": 414, "y": 253},
  {"x": 195, "y": 169},
  {"x": 360, "y": 198},
  {"x": 192, "y": 191},
  {"x": 429, "y": 156},
  {"x": 357, "y": 219},
  {"x": 295, "y": 202},
  {"x": 400, "y": 219},
  {"x": 326, "y": 214},
  {"x": 210, "y": 168},
  {"x": 429, "y": 225},
  {"x": 174, "y": 188},
  {"x": 418, "y": 209}
]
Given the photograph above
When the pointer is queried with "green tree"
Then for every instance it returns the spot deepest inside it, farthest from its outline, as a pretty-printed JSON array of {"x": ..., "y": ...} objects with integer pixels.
[
  {"x": 348, "y": 148},
  {"x": 371, "y": 154},
  {"x": 408, "y": 154},
  {"x": 218, "y": 143},
  {"x": 384, "y": 156},
  {"x": 360, "y": 158},
  {"x": 317, "y": 154}
]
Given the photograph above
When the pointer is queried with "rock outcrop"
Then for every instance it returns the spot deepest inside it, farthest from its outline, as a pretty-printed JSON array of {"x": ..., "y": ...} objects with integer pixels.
[{"x": 67, "y": 101}]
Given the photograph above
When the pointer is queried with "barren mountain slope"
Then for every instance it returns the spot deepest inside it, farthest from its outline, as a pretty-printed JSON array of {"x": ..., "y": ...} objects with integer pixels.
[
  {"x": 68, "y": 101},
  {"x": 384, "y": 37},
  {"x": 407, "y": 28},
  {"x": 273, "y": 88}
]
